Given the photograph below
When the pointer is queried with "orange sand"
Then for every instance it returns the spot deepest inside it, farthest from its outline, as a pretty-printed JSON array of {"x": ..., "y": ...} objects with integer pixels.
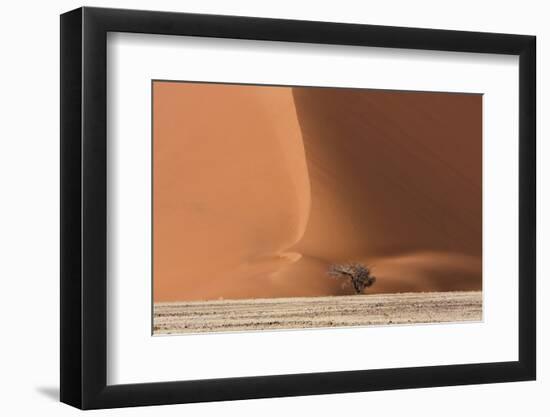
[{"x": 258, "y": 189}]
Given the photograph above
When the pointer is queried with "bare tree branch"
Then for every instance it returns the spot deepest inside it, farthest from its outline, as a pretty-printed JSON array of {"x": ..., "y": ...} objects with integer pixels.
[{"x": 359, "y": 274}]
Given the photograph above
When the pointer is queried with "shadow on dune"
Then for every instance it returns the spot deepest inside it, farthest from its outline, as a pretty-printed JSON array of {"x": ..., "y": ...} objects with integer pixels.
[
  {"x": 395, "y": 181},
  {"x": 257, "y": 190}
]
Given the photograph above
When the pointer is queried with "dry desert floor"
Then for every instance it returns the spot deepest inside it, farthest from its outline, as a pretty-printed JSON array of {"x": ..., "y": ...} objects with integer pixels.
[{"x": 336, "y": 311}]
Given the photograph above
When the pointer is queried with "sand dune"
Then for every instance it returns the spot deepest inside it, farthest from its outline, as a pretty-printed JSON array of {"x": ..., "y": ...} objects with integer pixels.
[
  {"x": 231, "y": 189},
  {"x": 257, "y": 190},
  {"x": 396, "y": 184},
  {"x": 315, "y": 312}
]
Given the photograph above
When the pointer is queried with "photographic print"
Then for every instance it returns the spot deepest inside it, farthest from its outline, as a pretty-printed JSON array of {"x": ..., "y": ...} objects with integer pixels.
[
  {"x": 295, "y": 188},
  {"x": 293, "y": 207}
]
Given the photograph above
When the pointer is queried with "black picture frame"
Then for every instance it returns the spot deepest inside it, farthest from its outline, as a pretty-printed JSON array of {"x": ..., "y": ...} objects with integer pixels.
[{"x": 84, "y": 207}]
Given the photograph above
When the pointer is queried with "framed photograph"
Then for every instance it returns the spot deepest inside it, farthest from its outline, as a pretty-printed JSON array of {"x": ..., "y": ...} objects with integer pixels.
[{"x": 257, "y": 208}]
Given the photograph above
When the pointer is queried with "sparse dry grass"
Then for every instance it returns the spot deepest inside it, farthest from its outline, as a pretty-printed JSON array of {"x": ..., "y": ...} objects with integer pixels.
[{"x": 318, "y": 312}]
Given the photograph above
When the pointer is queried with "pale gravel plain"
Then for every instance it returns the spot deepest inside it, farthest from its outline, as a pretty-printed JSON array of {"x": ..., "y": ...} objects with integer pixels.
[{"x": 316, "y": 312}]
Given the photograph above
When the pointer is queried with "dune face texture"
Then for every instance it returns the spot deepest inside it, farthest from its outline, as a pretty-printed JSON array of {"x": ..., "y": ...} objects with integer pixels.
[
  {"x": 257, "y": 190},
  {"x": 396, "y": 183}
]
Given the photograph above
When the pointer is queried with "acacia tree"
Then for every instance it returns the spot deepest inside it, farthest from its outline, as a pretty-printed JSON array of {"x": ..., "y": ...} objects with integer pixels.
[{"x": 360, "y": 275}]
